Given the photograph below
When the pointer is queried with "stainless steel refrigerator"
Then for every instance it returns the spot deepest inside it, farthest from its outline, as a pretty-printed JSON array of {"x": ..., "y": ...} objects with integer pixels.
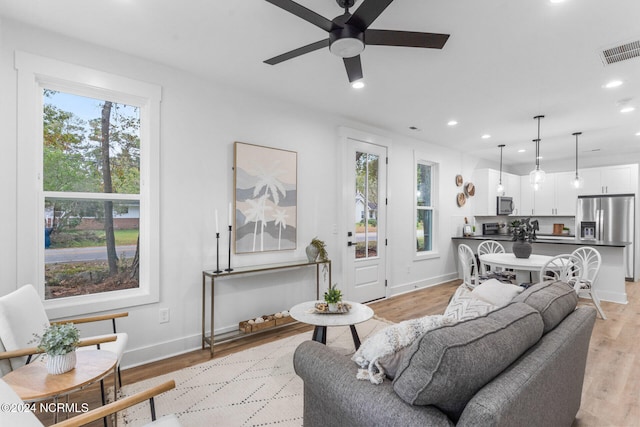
[{"x": 609, "y": 218}]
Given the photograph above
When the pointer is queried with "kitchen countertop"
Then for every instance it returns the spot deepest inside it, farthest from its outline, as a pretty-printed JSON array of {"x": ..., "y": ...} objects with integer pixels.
[{"x": 556, "y": 240}]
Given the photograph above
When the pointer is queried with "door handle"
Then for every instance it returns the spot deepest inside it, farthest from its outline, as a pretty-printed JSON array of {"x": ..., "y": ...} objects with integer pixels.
[{"x": 349, "y": 243}]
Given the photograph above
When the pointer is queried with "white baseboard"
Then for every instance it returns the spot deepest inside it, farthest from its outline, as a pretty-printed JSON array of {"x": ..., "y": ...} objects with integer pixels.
[
  {"x": 613, "y": 297},
  {"x": 163, "y": 350},
  {"x": 424, "y": 283}
]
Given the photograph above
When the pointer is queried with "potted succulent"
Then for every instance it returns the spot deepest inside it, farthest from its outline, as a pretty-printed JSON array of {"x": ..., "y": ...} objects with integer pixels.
[
  {"x": 59, "y": 341},
  {"x": 523, "y": 232},
  {"x": 317, "y": 249},
  {"x": 332, "y": 297}
]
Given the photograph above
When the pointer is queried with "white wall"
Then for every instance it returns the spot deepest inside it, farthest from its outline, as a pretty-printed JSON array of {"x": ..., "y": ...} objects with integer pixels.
[{"x": 200, "y": 120}]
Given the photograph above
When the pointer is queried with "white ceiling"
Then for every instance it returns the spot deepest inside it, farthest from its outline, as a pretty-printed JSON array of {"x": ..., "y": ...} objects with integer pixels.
[{"x": 505, "y": 62}]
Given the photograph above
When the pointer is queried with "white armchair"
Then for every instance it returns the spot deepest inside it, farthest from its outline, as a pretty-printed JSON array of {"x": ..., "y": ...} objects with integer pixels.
[{"x": 22, "y": 314}]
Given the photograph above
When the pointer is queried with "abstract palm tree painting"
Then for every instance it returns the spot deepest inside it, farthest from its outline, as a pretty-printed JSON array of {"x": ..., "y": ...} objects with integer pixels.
[{"x": 266, "y": 198}]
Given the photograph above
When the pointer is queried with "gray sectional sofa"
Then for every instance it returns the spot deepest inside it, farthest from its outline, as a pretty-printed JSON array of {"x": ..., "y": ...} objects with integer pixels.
[{"x": 520, "y": 365}]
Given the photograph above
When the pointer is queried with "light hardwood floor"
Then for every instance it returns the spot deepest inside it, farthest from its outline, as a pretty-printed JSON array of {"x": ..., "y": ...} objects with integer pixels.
[{"x": 611, "y": 392}]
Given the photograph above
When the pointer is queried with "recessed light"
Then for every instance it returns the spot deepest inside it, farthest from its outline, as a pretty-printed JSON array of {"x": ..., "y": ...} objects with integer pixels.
[
  {"x": 485, "y": 136},
  {"x": 613, "y": 83},
  {"x": 627, "y": 109},
  {"x": 522, "y": 150},
  {"x": 359, "y": 84},
  {"x": 452, "y": 123},
  {"x": 556, "y": 1}
]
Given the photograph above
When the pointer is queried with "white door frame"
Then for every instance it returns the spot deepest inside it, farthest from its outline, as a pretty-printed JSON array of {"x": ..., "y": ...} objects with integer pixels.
[{"x": 346, "y": 201}]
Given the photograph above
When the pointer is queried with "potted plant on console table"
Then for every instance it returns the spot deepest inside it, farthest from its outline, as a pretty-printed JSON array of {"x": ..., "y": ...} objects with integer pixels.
[{"x": 524, "y": 232}]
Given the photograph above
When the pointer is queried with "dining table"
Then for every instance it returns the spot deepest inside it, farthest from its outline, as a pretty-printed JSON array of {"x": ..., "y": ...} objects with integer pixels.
[{"x": 527, "y": 270}]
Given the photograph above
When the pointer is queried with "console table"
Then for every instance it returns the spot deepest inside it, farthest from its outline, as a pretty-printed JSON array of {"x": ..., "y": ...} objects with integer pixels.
[{"x": 212, "y": 276}]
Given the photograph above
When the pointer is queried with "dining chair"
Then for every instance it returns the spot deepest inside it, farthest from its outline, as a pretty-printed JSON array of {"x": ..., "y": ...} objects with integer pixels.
[
  {"x": 22, "y": 315},
  {"x": 591, "y": 261},
  {"x": 489, "y": 247},
  {"x": 467, "y": 260},
  {"x": 566, "y": 268}
]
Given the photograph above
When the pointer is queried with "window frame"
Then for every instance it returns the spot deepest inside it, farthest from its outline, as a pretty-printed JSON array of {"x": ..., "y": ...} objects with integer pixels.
[
  {"x": 34, "y": 74},
  {"x": 420, "y": 159}
]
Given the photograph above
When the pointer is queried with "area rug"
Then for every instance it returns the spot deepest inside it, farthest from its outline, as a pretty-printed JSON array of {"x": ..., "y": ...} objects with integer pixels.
[{"x": 255, "y": 387}]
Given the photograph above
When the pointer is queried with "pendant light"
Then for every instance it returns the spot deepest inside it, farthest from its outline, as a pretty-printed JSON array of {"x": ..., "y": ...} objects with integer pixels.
[
  {"x": 536, "y": 176},
  {"x": 577, "y": 181},
  {"x": 500, "y": 187}
]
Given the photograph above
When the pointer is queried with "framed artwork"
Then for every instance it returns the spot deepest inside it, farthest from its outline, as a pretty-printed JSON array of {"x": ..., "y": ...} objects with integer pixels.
[{"x": 266, "y": 193}]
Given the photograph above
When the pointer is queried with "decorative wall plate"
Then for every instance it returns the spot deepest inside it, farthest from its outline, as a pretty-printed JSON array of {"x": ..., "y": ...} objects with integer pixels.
[
  {"x": 470, "y": 189},
  {"x": 461, "y": 198},
  {"x": 459, "y": 180}
]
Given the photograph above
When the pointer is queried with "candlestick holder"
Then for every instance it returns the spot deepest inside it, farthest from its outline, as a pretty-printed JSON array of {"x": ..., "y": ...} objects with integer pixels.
[
  {"x": 218, "y": 254},
  {"x": 229, "y": 269}
]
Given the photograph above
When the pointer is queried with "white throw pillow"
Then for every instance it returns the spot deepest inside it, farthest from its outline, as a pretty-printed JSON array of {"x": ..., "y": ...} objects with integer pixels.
[
  {"x": 464, "y": 305},
  {"x": 496, "y": 292}
]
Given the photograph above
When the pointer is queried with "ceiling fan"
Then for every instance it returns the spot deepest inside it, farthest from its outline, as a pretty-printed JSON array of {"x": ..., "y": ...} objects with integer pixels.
[{"x": 349, "y": 33}]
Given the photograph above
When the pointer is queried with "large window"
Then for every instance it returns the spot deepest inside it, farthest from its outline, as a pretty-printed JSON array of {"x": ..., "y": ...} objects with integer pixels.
[
  {"x": 91, "y": 155},
  {"x": 425, "y": 205},
  {"x": 88, "y": 152}
]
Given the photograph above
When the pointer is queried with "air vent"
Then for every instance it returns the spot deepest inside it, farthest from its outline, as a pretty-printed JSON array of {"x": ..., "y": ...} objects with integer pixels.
[{"x": 621, "y": 53}]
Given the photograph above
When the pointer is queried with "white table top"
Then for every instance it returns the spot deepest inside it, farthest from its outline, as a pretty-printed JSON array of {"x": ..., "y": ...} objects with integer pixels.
[
  {"x": 303, "y": 312},
  {"x": 509, "y": 260}
]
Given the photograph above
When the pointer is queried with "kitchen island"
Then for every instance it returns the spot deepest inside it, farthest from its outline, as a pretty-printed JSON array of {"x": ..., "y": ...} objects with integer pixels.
[{"x": 610, "y": 284}]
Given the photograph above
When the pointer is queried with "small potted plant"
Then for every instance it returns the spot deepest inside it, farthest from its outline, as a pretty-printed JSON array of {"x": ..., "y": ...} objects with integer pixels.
[
  {"x": 59, "y": 341},
  {"x": 332, "y": 297}
]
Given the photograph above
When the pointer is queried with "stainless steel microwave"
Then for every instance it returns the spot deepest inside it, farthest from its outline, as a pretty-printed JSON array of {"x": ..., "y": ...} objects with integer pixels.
[{"x": 505, "y": 205}]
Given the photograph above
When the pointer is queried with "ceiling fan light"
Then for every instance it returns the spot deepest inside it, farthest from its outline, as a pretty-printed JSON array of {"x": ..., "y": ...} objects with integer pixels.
[
  {"x": 358, "y": 84},
  {"x": 346, "y": 42},
  {"x": 347, "y": 47}
]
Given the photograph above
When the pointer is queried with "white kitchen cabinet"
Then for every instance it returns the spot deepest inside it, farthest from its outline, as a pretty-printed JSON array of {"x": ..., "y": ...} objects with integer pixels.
[
  {"x": 556, "y": 195},
  {"x": 566, "y": 194},
  {"x": 544, "y": 200},
  {"x": 512, "y": 189},
  {"x": 621, "y": 179},
  {"x": 484, "y": 201},
  {"x": 591, "y": 182},
  {"x": 526, "y": 197},
  {"x": 486, "y": 183}
]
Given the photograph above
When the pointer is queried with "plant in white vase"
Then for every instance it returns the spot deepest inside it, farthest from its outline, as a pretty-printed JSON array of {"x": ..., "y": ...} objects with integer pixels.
[
  {"x": 59, "y": 341},
  {"x": 332, "y": 297}
]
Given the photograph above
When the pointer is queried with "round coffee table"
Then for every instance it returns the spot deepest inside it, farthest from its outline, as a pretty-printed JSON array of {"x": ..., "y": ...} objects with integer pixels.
[{"x": 306, "y": 313}]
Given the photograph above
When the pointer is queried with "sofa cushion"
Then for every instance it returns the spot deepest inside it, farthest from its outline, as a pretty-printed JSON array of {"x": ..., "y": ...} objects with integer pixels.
[
  {"x": 553, "y": 299},
  {"x": 448, "y": 365}
]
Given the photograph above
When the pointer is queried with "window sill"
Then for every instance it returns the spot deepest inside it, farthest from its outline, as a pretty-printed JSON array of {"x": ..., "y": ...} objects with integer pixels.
[{"x": 94, "y": 303}]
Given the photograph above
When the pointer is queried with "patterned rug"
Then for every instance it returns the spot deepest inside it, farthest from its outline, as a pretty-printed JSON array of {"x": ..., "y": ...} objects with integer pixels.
[{"x": 255, "y": 387}]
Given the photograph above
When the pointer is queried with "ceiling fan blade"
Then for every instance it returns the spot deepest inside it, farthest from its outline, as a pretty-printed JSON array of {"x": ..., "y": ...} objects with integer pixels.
[
  {"x": 304, "y": 13},
  {"x": 297, "y": 52},
  {"x": 368, "y": 11},
  {"x": 405, "y": 38},
  {"x": 354, "y": 68}
]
